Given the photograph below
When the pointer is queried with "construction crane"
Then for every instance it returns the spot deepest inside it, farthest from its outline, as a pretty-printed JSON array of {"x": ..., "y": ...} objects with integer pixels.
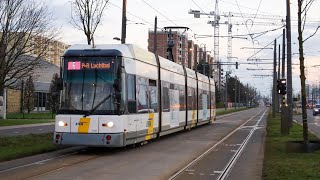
[{"x": 216, "y": 22}]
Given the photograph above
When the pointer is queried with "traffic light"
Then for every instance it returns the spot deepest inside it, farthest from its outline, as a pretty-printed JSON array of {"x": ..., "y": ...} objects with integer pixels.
[
  {"x": 278, "y": 86},
  {"x": 282, "y": 86}
]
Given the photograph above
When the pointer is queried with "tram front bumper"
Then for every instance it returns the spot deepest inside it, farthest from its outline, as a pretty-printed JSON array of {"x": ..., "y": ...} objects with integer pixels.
[{"x": 106, "y": 140}]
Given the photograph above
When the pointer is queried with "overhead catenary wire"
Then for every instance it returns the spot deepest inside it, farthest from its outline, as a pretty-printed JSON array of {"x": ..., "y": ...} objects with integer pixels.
[
  {"x": 263, "y": 47},
  {"x": 199, "y": 7},
  {"x": 132, "y": 14},
  {"x": 256, "y": 14},
  {"x": 159, "y": 12},
  {"x": 245, "y": 22}
]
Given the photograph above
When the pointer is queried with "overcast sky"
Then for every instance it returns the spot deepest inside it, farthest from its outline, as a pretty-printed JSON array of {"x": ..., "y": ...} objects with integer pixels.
[{"x": 175, "y": 13}]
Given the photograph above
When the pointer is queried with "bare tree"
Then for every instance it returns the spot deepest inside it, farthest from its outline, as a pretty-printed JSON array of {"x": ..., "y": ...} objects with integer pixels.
[
  {"x": 303, "y": 7},
  {"x": 24, "y": 30},
  {"x": 87, "y": 15}
]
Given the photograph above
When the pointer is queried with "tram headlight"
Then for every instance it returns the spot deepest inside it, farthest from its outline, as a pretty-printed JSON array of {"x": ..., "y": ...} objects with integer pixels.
[
  {"x": 61, "y": 123},
  {"x": 110, "y": 124}
]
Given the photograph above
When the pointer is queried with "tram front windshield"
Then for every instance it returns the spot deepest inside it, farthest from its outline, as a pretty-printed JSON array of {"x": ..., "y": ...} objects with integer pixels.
[{"x": 89, "y": 85}]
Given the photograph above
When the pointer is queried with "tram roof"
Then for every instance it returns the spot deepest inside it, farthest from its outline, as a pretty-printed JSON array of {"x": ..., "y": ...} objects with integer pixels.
[{"x": 125, "y": 50}]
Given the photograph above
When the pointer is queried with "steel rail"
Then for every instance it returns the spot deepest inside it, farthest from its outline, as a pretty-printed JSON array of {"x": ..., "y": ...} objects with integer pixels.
[
  {"x": 226, "y": 171},
  {"x": 212, "y": 147}
]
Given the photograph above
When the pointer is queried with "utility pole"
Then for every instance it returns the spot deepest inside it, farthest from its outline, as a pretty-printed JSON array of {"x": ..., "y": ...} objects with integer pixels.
[
  {"x": 278, "y": 77},
  {"x": 284, "y": 108},
  {"x": 289, "y": 64},
  {"x": 239, "y": 92},
  {"x": 204, "y": 60},
  {"x": 219, "y": 76},
  {"x": 274, "y": 79},
  {"x": 124, "y": 22},
  {"x": 247, "y": 96},
  {"x": 283, "y": 53},
  {"x": 226, "y": 92},
  {"x": 235, "y": 93},
  {"x": 155, "y": 36}
]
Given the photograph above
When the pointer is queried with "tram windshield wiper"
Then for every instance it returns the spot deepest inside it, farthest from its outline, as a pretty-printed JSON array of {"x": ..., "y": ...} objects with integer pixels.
[{"x": 98, "y": 105}]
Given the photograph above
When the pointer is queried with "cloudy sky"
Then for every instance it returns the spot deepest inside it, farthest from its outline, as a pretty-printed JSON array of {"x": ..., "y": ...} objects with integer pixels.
[{"x": 141, "y": 15}]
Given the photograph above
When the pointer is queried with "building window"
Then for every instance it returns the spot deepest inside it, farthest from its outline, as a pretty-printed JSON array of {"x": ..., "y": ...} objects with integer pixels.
[{"x": 40, "y": 102}]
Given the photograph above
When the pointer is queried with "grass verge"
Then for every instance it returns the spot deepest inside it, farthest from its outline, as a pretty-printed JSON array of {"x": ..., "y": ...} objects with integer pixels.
[
  {"x": 278, "y": 164},
  {"x": 230, "y": 111},
  {"x": 47, "y": 115},
  {"x": 21, "y": 146},
  {"x": 13, "y": 122}
]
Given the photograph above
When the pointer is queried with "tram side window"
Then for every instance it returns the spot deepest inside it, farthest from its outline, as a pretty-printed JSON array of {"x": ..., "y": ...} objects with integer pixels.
[
  {"x": 182, "y": 98},
  {"x": 191, "y": 99},
  {"x": 200, "y": 92},
  {"x": 174, "y": 97},
  {"x": 142, "y": 92},
  {"x": 165, "y": 96},
  {"x": 132, "y": 102},
  {"x": 153, "y": 92},
  {"x": 195, "y": 99}
]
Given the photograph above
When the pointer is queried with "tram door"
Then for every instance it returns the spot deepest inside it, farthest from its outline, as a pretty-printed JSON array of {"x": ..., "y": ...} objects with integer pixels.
[
  {"x": 147, "y": 107},
  {"x": 143, "y": 106}
]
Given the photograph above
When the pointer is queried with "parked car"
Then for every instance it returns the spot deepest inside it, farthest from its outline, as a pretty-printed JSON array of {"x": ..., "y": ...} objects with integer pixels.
[{"x": 316, "y": 109}]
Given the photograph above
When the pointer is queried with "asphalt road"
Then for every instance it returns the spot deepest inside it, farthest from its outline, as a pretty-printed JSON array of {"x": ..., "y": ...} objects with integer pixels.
[
  {"x": 157, "y": 160},
  {"x": 313, "y": 122},
  {"x": 26, "y": 129}
]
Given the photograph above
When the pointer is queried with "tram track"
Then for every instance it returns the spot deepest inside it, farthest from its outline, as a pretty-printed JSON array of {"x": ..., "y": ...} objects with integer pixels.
[
  {"x": 57, "y": 163},
  {"x": 226, "y": 170},
  {"x": 63, "y": 161}
]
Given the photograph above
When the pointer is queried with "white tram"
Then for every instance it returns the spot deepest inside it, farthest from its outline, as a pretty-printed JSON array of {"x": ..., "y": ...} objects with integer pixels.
[{"x": 116, "y": 95}]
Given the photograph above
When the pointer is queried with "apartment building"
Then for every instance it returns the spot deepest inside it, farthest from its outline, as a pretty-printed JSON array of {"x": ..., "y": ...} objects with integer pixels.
[
  {"x": 180, "y": 48},
  {"x": 53, "y": 49}
]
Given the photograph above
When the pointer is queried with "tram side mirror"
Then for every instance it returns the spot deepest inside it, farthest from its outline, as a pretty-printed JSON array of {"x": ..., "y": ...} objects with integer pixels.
[{"x": 59, "y": 84}]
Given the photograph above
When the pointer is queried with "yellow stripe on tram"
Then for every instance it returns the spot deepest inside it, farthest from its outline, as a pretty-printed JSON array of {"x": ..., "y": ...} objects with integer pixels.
[
  {"x": 150, "y": 126},
  {"x": 83, "y": 126},
  {"x": 193, "y": 118}
]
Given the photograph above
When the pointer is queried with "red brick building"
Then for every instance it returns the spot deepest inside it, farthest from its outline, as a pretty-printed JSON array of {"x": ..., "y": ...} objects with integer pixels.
[{"x": 184, "y": 51}]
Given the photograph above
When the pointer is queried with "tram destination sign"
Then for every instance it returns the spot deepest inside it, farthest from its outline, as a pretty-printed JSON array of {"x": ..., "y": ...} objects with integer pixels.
[{"x": 77, "y": 65}]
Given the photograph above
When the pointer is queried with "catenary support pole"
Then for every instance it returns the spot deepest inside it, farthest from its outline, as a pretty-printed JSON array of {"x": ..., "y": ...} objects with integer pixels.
[
  {"x": 235, "y": 92},
  {"x": 124, "y": 22},
  {"x": 274, "y": 80},
  {"x": 289, "y": 64},
  {"x": 155, "y": 45}
]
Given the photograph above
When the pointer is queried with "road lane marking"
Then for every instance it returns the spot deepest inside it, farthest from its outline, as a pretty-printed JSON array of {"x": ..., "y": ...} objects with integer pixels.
[
  {"x": 235, "y": 157},
  {"x": 189, "y": 170},
  {"x": 217, "y": 172}
]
